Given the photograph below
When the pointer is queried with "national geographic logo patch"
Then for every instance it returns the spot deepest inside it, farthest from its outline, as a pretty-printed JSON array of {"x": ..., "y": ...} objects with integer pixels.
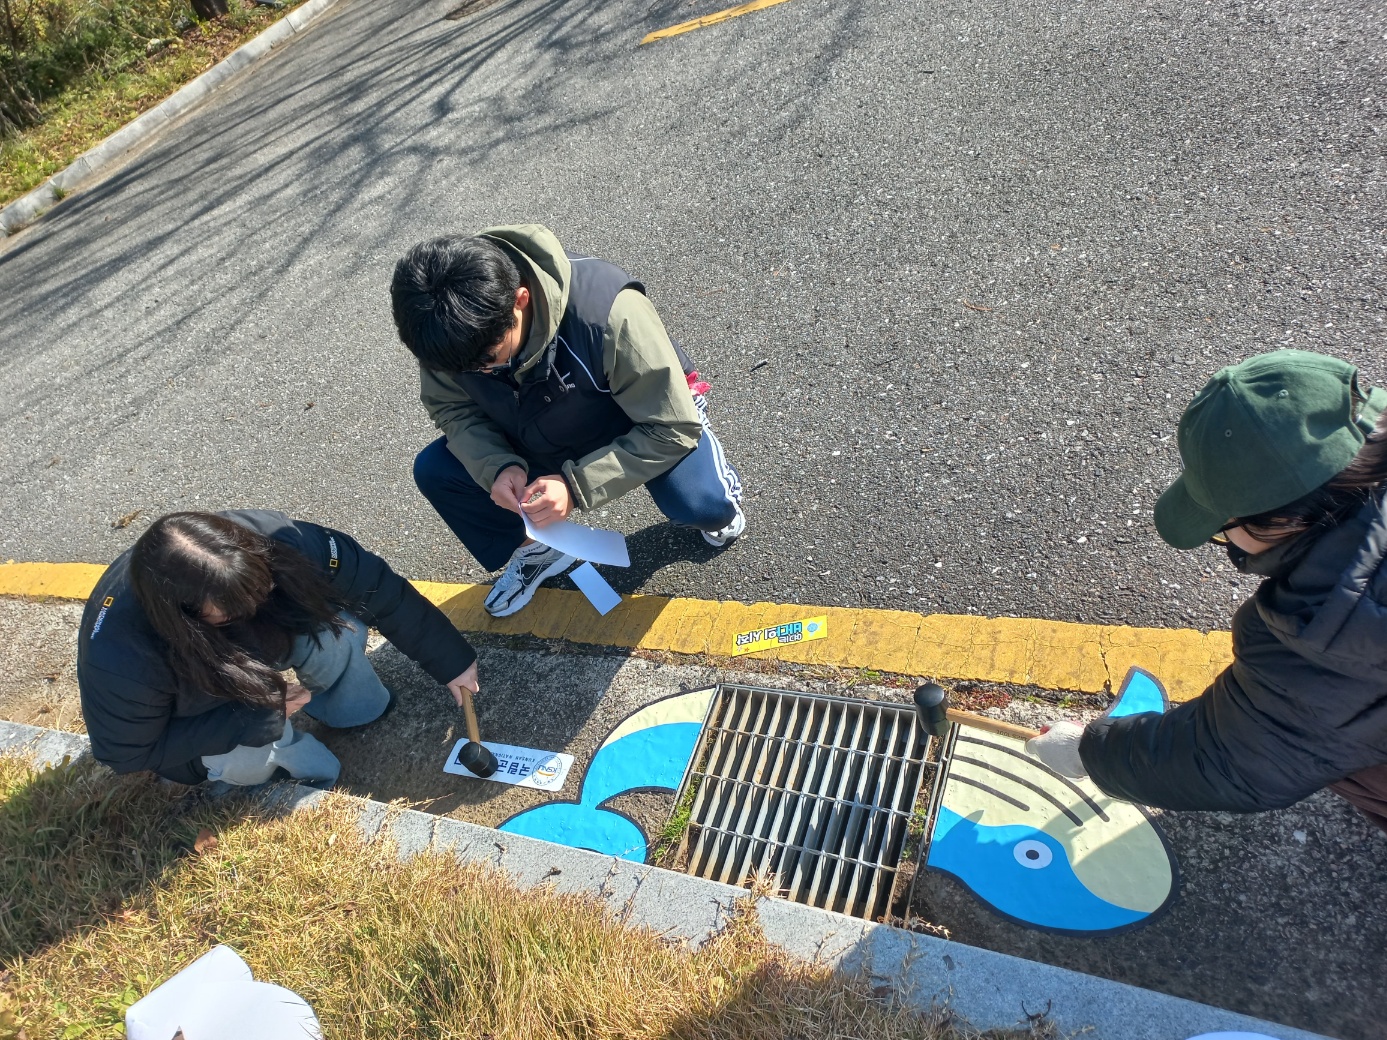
[{"x": 101, "y": 617}]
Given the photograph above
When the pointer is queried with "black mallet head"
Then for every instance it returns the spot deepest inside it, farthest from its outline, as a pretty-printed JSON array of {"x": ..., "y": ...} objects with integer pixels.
[
  {"x": 932, "y": 705},
  {"x": 473, "y": 757},
  {"x": 476, "y": 759}
]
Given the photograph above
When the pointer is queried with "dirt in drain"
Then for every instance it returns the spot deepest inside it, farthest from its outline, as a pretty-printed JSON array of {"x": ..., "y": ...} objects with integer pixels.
[{"x": 470, "y": 7}]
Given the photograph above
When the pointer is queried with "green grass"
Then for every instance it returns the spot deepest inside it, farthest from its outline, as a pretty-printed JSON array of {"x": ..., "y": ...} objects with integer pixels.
[
  {"x": 102, "y": 897},
  {"x": 673, "y": 832},
  {"x": 110, "y": 89}
]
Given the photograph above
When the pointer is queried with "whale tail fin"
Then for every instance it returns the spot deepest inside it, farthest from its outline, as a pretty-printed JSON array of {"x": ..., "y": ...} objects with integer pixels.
[
  {"x": 581, "y": 827},
  {"x": 1140, "y": 692}
]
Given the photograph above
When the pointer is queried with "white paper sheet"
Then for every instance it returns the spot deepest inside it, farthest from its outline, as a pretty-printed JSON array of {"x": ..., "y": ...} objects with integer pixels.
[
  {"x": 586, "y": 543},
  {"x": 518, "y": 766},
  {"x": 159, "y": 1014},
  {"x": 592, "y": 585},
  {"x": 215, "y": 998},
  {"x": 239, "y": 1010}
]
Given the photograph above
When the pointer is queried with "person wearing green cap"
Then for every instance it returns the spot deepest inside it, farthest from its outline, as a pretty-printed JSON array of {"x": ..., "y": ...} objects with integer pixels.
[{"x": 1285, "y": 467}]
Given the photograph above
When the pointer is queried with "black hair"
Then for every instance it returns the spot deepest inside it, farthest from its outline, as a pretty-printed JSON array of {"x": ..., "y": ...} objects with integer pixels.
[
  {"x": 1332, "y": 502},
  {"x": 270, "y": 592},
  {"x": 454, "y": 299}
]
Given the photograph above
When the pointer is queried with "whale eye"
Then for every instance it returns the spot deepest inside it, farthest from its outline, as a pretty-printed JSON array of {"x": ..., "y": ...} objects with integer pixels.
[{"x": 1033, "y": 854}]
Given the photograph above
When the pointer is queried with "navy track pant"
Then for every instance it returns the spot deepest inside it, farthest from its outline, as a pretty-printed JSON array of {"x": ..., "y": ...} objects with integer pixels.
[{"x": 701, "y": 490}]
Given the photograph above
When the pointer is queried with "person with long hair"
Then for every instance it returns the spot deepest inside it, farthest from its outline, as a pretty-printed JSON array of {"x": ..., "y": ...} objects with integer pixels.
[
  {"x": 1285, "y": 468},
  {"x": 184, "y": 642}
]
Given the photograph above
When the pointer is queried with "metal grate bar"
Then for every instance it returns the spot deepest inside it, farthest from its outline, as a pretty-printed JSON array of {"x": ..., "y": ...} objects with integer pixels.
[
  {"x": 818, "y": 791},
  {"x": 757, "y": 794},
  {"x": 820, "y": 852},
  {"x": 795, "y": 761},
  {"x": 722, "y": 760},
  {"x": 827, "y": 818},
  {"x": 857, "y": 828},
  {"x": 791, "y": 831},
  {"x": 902, "y": 778}
]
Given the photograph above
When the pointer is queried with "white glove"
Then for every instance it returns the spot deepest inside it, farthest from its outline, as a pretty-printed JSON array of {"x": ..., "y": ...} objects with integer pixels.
[{"x": 1058, "y": 747}]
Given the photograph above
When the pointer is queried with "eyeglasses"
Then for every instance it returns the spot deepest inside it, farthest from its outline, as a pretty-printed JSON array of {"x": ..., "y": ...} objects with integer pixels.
[
  {"x": 496, "y": 366},
  {"x": 1220, "y": 537}
]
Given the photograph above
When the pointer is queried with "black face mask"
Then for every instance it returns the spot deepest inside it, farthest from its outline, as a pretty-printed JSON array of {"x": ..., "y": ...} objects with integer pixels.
[
  {"x": 1238, "y": 557},
  {"x": 1273, "y": 562}
]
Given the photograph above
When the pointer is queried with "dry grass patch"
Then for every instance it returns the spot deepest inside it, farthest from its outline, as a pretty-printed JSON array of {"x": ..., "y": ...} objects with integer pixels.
[{"x": 106, "y": 895}]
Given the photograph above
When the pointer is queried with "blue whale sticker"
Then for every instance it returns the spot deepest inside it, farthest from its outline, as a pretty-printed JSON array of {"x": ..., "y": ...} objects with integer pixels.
[
  {"x": 648, "y": 752},
  {"x": 1044, "y": 850}
]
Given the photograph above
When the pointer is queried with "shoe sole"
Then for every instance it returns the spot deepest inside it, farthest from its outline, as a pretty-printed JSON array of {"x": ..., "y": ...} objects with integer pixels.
[
  {"x": 707, "y": 537},
  {"x": 521, "y": 601}
]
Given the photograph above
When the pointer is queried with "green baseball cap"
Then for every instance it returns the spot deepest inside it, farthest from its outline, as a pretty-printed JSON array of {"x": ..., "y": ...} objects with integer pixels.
[{"x": 1261, "y": 435}]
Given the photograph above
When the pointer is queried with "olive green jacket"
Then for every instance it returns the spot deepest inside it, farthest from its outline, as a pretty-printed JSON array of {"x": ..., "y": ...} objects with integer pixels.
[{"x": 642, "y": 370}]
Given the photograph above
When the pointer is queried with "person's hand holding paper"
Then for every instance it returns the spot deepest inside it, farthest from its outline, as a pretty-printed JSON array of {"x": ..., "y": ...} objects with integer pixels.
[
  {"x": 545, "y": 500},
  {"x": 508, "y": 489}
]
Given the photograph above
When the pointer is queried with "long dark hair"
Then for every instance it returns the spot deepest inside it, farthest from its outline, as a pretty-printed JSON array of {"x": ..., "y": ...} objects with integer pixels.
[
  {"x": 1332, "y": 502},
  {"x": 270, "y": 592}
]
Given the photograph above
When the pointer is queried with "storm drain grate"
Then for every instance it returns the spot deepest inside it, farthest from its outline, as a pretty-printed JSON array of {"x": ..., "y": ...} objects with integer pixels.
[{"x": 817, "y": 791}]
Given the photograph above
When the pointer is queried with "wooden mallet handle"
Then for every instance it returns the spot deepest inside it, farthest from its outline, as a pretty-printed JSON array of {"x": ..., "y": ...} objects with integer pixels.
[
  {"x": 932, "y": 707},
  {"x": 1005, "y": 729},
  {"x": 474, "y": 732}
]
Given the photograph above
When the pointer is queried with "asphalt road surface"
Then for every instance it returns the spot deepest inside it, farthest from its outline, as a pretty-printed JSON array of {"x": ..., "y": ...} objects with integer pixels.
[{"x": 953, "y": 270}]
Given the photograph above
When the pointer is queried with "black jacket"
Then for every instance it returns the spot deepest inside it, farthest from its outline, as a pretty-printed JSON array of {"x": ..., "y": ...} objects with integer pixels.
[
  {"x": 1304, "y": 702},
  {"x": 137, "y": 717}
]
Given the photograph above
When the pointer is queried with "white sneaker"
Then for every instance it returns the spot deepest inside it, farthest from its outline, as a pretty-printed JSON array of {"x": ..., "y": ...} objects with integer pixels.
[
  {"x": 528, "y": 567},
  {"x": 729, "y": 534}
]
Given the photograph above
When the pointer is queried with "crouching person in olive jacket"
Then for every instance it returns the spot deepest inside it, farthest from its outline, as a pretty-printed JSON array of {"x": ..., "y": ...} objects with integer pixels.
[{"x": 182, "y": 645}]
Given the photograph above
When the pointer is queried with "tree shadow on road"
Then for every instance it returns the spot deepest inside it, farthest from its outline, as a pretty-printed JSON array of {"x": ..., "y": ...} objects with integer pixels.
[
  {"x": 244, "y": 161},
  {"x": 195, "y": 233}
]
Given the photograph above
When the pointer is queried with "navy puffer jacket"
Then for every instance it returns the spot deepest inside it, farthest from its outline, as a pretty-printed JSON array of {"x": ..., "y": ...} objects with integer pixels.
[
  {"x": 137, "y": 715},
  {"x": 1304, "y": 702}
]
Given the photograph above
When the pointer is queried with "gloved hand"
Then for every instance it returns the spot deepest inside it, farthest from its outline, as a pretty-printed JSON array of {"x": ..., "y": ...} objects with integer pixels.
[{"x": 1058, "y": 747}]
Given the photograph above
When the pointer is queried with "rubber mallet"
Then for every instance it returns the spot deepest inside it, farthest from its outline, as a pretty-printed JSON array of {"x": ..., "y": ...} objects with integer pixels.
[
  {"x": 932, "y": 706},
  {"x": 475, "y": 758}
]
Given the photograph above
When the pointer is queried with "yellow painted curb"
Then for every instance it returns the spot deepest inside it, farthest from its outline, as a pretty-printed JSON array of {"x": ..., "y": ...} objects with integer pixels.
[
  {"x": 1054, "y": 655},
  {"x": 708, "y": 19},
  {"x": 58, "y": 580}
]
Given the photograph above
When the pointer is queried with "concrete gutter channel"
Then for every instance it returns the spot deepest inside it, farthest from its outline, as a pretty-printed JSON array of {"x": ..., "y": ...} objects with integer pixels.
[{"x": 989, "y": 990}]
